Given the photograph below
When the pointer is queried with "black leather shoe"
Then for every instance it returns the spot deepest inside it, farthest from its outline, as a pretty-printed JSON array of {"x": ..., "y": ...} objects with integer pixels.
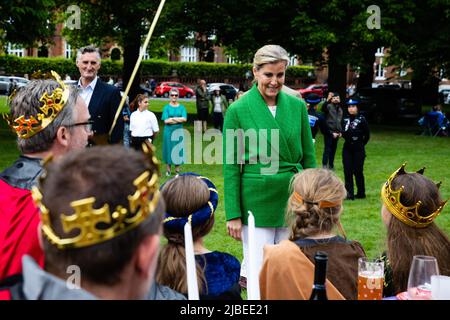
[
  {"x": 350, "y": 198},
  {"x": 360, "y": 196}
]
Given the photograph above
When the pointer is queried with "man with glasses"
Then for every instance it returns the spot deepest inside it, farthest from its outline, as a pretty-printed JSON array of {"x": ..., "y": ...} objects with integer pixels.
[
  {"x": 101, "y": 98},
  {"x": 49, "y": 119}
]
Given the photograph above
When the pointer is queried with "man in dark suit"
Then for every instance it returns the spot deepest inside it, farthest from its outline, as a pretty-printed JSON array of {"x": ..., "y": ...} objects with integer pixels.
[{"x": 102, "y": 99}]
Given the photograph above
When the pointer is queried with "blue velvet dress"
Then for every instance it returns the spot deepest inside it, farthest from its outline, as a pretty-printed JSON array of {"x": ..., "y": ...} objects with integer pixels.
[{"x": 222, "y": 272}]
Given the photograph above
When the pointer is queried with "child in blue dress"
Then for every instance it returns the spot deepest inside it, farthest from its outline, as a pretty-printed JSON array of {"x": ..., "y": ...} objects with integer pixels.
[{"x": 189, "y": 196}]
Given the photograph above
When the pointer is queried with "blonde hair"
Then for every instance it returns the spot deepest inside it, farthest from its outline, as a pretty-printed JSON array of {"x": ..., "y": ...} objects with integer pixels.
[
  {"x": 307, "y": 218},
  {"x": 270, "y": 53}
]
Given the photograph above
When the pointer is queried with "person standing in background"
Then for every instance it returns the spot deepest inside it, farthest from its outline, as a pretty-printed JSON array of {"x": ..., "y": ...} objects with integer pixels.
[
  {"x": 316, "y": 119},
  {"x": 202, "y": 102},
  {"x": 219, "y": 104},
  {"x": 101, "y": 98},
  {"x": 333, "y": 114},
  {"x": 143, "y": 123},
  {"x": 356, "y": 135},
  {"x": 174, "y": 115}
]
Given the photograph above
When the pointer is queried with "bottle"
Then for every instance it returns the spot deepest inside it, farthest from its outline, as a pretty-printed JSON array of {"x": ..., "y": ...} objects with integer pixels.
[{"x": 319, "y": 291}]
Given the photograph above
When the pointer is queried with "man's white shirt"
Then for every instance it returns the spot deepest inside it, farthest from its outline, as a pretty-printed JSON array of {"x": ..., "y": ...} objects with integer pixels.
[{"x": 86, "y": 93}]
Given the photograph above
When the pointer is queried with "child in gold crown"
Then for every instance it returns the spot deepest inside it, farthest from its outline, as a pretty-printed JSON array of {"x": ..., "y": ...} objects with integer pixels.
[
  {"x": 101, "y": 220},
  {"x": 410, "y": 227}
]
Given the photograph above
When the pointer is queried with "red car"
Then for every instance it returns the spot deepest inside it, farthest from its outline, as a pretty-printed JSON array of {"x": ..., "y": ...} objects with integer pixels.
[
  {"x": 164, "y": 87},
  {"x": 319, "y": 89}
]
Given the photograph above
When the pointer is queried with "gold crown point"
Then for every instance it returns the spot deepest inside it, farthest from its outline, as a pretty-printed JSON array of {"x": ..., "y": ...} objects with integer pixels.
[
  {"x": 408, "y": 215},
  {"x": 421, "y": 171},
  {"x": 402, "y": 169}
]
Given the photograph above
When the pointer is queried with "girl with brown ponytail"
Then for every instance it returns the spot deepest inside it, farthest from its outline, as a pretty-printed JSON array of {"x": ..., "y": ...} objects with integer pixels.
[{"x": 193, "y": 198}]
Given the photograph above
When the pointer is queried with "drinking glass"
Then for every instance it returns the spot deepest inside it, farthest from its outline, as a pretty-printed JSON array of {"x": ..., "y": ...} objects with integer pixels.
[
  {"x": 419, "y": 281},
  {"x": 370, "y": 279}
]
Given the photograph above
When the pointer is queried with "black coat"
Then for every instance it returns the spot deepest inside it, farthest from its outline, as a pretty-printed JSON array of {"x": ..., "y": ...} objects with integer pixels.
[
  {"x": 103, "y": 106},
  {"x": 355, "y": 131}
]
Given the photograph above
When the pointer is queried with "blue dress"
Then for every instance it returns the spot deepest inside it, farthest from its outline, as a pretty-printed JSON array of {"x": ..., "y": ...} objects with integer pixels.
[
  {"x": 173, "y": 137},
  {"x": 222, "y": 271}
]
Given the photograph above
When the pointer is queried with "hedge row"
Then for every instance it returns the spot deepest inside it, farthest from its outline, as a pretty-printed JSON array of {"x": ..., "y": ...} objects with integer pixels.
[{"x": 27, "y": 65}]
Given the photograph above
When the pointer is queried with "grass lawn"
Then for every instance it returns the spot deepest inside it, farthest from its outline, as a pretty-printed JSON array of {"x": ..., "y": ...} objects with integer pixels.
[{"x": 387, "y": 149}]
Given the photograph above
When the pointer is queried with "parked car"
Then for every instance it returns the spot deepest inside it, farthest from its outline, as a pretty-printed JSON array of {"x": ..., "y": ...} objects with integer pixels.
[
  {"x": 228, "y": 90},
  {"x": 5, "y": 82},
  {"x": 4, "y": 85},
  {"x": 71, "y": 82},
  {"x": 384, "y": 104},
  {"x": 163, "y": 89},
  {"x": 319, "y": 89},
  {"x": 145, "y": 90}
]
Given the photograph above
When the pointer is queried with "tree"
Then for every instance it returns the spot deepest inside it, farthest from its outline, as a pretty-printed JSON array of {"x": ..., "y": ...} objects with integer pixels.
[
  {"x": 106, "y": 21},
  {"x": 334, "y": 32},
  {"x": 27, "y": 23},
  {"x": 423, "y": 45}
]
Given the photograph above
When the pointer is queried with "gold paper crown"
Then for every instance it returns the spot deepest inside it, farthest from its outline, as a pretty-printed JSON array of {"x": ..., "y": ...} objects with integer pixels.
[
  {"x": 51, "y": 107},
  {"x": 408, "y": 215},
  {"x": 86, "y": 218}
]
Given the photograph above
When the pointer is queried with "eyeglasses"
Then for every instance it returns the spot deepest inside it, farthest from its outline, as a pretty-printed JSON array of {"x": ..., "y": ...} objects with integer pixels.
[
  {"x": 87, "y": 125},
  {"x": 174, "y": 95}
]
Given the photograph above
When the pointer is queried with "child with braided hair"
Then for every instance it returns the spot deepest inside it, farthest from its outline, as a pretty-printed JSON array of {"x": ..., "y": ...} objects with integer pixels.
[
  {"x": 313, "y": 214},
  {"x": 194, "y": 198}
]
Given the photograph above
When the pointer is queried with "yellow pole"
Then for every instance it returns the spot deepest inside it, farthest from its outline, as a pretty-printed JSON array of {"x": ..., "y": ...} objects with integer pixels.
[{"x": 136, "y": 66}]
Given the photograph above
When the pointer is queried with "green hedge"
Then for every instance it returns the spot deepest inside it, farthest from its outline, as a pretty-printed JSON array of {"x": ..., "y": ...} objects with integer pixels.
[{"x": 28, "y": 65}]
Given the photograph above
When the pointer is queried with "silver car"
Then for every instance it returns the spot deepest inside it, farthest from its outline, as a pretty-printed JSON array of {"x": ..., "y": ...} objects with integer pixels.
[
  {"x": 226, "y": 89},
  {"x": 5, "y": 82}
]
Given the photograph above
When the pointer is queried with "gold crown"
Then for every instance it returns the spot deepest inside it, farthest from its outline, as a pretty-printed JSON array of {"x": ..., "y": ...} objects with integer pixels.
[
  {"x": 52, "y": 106},
  {"x": 408, "y": 215},
  {"x": 86, "y": 218}
]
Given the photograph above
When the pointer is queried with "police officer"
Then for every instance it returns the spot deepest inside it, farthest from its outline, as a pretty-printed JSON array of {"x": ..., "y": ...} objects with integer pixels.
[
  {"x": 355, "y": 132},
  {"x": 316, "y": 119}
]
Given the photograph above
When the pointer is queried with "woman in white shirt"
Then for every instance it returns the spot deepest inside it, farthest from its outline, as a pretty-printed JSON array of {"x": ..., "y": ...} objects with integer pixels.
[{"x": 143, "y": 123}]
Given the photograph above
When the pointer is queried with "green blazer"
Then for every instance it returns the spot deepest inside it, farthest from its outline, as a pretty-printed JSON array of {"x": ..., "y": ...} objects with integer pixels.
[{"x": 247, "y": 186}]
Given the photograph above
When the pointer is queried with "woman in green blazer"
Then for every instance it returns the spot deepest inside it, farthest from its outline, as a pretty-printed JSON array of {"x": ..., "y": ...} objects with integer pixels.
[{"x": 267, "y": 139}]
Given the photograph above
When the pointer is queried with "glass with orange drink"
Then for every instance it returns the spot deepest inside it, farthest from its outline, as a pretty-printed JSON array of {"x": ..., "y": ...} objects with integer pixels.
[{"x": 370, "y": 279}]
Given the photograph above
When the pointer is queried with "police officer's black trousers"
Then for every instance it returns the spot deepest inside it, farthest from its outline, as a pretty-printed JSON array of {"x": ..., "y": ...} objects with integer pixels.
[{"x": 353, "y": 161}]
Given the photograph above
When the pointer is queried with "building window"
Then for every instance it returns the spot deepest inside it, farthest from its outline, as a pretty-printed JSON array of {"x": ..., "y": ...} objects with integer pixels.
[
  {"x": 146, "y": 56},
  {"x": 188, "y": 54},
  {"x": 231, "y": 60},
  {"x": 380, "y": 52},
  {"x": 379, "y": 70},
  {"x": 67, "y": 50},
  {"x": 15, "y": 49},
  {"x": 293, "y": 60}
]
